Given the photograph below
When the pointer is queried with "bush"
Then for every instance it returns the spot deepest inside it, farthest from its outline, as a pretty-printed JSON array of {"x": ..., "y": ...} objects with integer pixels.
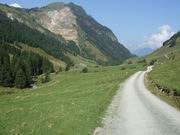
[
  {"x": 123, "y": 68},
  {"x": 45, "y": 78},
  {"x": 85, "y": 70},
  {"x": 142, "y": 61},
  {"x": 152, "y": 62},
  {"x": 60, "y": 69},
  {"x": 129, "y": 62},
  {"x": 67, "y": 68},
  {"x": 172, "y": 56}
]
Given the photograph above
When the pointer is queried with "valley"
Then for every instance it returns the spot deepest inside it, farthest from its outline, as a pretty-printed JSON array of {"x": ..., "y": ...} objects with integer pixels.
[
  {"x": 63, "y": 72},
  {"x": 72, "y": 103}
]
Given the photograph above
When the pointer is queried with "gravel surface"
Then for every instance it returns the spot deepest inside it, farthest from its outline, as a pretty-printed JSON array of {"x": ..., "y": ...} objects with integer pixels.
[{"x": 135, "y": 111}]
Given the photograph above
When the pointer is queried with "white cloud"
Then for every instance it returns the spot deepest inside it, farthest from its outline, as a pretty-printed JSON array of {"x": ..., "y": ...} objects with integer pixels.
[
  {"x": 156, "y": 40},
  {"x": 15, "y": 5}
]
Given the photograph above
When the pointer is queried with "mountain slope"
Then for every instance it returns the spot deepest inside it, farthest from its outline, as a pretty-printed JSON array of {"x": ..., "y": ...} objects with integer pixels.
[
  {"x": 70, "y": 25},
  {"x": 170, "y": 46},
  {"x": 13, "y": 32},
  {"x": 100, "y": 36},
  {"x": 166, "y": 70}
]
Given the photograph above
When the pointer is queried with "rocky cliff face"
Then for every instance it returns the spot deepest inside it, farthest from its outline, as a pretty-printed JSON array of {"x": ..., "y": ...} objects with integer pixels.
[
  {"x": 173, "y": 41},
  {"x": 59, "y": 21}
]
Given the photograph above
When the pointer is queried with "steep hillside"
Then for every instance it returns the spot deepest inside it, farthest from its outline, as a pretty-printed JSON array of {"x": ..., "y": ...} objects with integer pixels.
[
  {"x": 166, "y": 70},
  {"x": 169, "y": 47},
  {"x": 71, "y": 26},
  {"x": 13, "y": 32},
  {"x": 18, "y": 67},
  {"x": 98, "y": 37},
  {"x": 57, "y": 63}
]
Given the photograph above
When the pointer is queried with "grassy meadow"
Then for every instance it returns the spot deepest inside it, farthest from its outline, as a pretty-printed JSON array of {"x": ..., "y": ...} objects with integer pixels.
[
  {"x": 167, "y": 75},
  {"x": 73, "y": 103}
]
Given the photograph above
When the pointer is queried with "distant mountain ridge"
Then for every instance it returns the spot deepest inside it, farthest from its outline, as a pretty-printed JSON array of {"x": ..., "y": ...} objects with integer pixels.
[
  {"x": 71, "y": 26},
  {"x": 143, "y": 51}
]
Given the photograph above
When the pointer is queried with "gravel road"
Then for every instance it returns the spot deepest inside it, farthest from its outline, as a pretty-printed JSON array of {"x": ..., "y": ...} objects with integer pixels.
[{"x": 135, "y": 111}]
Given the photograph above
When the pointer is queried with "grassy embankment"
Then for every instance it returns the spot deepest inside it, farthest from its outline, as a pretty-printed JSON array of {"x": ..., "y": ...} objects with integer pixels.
[
  {"x": 166, "y": 76},
  {"x": 71, "y": 104},
  {"x": 164, "y": 80}
]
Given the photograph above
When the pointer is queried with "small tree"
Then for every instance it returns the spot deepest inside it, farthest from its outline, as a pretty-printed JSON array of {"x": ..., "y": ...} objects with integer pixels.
[
  {"x": 60, "y": 69},
  {"x": 47, "y": 77},
  {"x": 6, "y": 71},
  {"x": 85, "y": 70},
  {"x": 20, "y": 79},
  {"x": 152, "y": 62},
  {"x": 67, "y": 67}
]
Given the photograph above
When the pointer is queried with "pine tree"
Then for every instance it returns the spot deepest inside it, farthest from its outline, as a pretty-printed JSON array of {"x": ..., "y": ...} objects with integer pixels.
[
  {"x": 47, "y": 66},
  {"x": 18, "y": 70},
  {"x": 1, "y": 75},
  {"x": 28, "y": 74},
  {"x": 7, "y": 78},
  {"x": 20, "y": 79},
  {"x": 47, "y": 77},
  {"x": 6, "y": 71},
  {"x": 1, "y": 64}
]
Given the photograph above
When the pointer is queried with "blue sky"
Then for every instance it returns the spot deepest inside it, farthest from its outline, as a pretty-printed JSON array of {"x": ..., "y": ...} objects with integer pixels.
[{"x": 136, "y": 23}]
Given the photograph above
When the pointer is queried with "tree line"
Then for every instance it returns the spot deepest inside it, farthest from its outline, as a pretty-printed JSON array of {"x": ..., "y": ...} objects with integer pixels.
[{"x": 17, "y": 67}]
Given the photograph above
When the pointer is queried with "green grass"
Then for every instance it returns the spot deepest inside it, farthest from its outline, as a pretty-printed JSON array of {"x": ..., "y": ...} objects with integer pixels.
[
  {"x": 71, "y": 104},
  {"x": 166, "y": 71},
  {"x": 174, "y": 101},
  {"x": 167, "y": 75}
]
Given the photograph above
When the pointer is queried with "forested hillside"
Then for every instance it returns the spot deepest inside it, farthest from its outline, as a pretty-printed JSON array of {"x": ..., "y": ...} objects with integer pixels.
[
  {"x": 12, "y": 31},
  {"x": 81, "y": 42},
  {"x": 17, "y": 67}
]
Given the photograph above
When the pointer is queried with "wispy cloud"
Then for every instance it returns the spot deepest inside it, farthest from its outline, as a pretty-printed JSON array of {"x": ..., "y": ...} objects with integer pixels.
[
  {"x": 156, "y": 40},
  {"x": 16, "y": 5}
]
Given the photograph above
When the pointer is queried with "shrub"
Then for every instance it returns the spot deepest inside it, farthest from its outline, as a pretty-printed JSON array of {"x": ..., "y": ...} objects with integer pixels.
[
  {"x": 152, "y": 62},
  {"x": 85, "y": 70},
  {"x": 60, "y": 69},
  {"x": 129, "y": 62},
  {"x": 67, "y": 67},
  {"x": 45, "y": 78},
  {"x": 123, "y": 68},
  {"x": 142, "y": 61}
]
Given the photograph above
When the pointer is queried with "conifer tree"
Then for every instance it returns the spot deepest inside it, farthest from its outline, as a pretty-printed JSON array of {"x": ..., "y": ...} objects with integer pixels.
[
  {"x": 6, "y": 78},
  {"x": 20, "y": 79}
]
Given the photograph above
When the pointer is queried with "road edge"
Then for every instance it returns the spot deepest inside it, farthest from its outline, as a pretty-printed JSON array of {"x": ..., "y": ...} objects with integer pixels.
[{"x": 162, "y": 95}]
